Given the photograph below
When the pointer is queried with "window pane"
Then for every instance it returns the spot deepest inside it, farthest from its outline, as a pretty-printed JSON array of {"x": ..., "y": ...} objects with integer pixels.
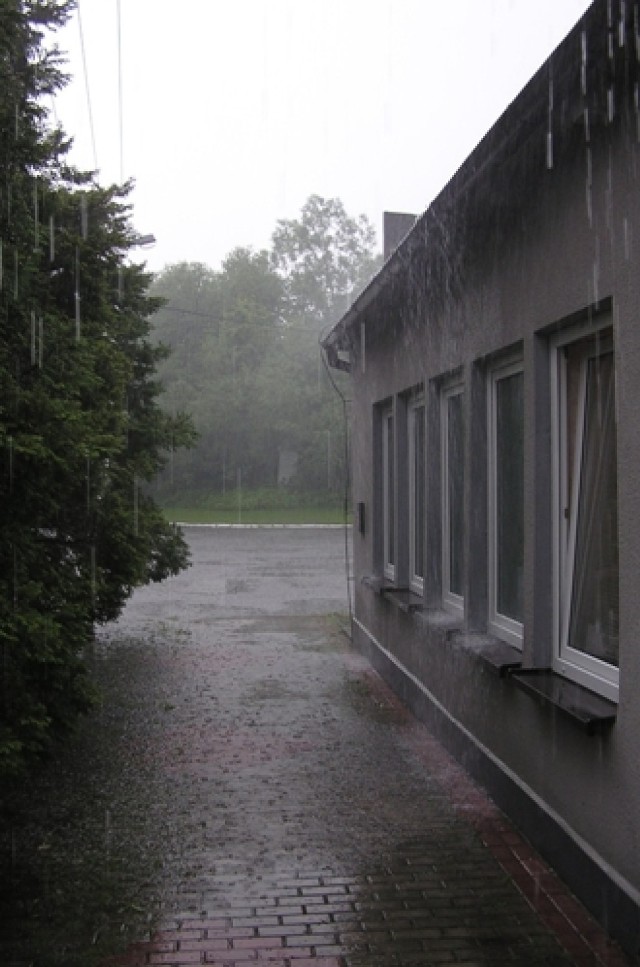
[
  {"x": 509, "y": 495},
  {"x": 418, "y": 491},
  {"x": 390, "y": 493},
  {"x": 593, "y": 627},
  {"x": 455, "y": 475}
]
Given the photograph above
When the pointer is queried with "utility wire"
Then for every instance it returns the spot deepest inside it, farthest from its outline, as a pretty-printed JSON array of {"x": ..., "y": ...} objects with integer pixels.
[
  {"x": 120, "y": 101},
  {"x": 87, "y": 89},
  {"x": 284, "y": 327}
]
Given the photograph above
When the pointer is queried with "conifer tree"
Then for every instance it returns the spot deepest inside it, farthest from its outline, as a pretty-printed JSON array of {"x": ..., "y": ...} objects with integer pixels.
[{"x": 80, "y": 428}]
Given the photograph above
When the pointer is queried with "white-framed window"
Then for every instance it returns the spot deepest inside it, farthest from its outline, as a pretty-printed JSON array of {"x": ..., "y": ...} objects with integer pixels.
[
  {"x": 417, "y": 492},
  {"x": 506, "y": 501},
  {"x": 452, "y": 435},
  {"x": 389, "y": 493},
  {"x": 586, "y": 506}
]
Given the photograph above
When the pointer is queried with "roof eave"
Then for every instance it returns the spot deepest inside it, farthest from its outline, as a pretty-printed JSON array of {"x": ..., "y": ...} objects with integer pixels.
[{"x": 499, "y": 139}]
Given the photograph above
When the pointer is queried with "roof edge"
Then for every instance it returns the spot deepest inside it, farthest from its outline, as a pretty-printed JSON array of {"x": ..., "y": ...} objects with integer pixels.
[{"x": 501, "y": 134}]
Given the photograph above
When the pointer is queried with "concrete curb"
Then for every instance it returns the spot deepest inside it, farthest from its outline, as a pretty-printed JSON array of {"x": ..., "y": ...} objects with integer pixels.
[{"x": 180, "y": 523}]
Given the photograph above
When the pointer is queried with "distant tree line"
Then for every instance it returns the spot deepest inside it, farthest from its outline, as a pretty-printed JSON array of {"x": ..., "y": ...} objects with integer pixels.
[
  {"x": 84, "y": 429},
  {"x": 246, "y": 360},
  {"x": 81, "y": 430}
]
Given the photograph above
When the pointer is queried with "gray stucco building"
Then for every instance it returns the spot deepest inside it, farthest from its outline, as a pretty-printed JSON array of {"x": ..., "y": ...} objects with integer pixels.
[{"x": 495, "y": 363}]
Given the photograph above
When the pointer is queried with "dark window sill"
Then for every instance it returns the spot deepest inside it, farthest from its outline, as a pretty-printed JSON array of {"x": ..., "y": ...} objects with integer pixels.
[
  {"x": 588, "y": 710},
  {"x": 498, "y": 656},
  {"x": 403, "y": 598}
]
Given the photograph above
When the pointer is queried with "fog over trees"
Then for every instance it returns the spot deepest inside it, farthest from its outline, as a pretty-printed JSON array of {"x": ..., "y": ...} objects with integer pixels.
[
  {"x": 246, "y": 360},
  {"x": 85, "y": 423}
]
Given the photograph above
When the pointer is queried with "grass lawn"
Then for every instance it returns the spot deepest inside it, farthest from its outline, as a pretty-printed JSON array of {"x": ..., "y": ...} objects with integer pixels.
[{"x": 282, "y": 515}]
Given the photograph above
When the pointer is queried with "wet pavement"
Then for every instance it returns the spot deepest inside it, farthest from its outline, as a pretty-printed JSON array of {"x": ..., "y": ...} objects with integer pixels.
[{"x": 251, "y": 792}]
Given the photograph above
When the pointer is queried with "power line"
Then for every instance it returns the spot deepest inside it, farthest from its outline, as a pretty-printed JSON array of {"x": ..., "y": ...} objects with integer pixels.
[
  {"x": 87, "y": 89},
  {"x": 120, "y": 101},
  {"x": 281, "y": 327}
]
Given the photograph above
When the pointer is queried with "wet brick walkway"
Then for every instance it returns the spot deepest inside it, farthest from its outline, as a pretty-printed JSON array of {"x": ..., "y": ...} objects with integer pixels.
[{"x": 299, "y": 815}]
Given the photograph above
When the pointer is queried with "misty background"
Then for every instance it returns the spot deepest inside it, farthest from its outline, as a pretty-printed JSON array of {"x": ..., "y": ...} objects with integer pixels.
[{"x": 229, "y": 116}]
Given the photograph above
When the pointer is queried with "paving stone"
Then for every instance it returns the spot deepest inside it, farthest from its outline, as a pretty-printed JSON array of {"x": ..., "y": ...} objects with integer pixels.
[{"x": 301, "y": 817}]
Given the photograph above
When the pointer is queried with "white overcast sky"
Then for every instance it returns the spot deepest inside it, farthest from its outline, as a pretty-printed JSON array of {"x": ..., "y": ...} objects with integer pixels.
[{"x": 235, "y": 111}]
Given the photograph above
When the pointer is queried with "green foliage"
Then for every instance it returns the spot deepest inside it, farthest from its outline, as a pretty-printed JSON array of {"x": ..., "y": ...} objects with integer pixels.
[
  {"x": 275, "y": 505},
  {"x": 263, "y": 498},
  {"x": 324, "y": 257},
  {"x": 246, "y": 358},
  {"x": 260, "y": 517},
  {"x": 221, "y": 327},
  {"x": 80, "y": 426}
]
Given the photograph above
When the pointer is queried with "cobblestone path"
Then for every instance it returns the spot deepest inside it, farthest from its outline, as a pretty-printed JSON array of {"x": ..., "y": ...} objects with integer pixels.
[{"x": 287, "y": 808}]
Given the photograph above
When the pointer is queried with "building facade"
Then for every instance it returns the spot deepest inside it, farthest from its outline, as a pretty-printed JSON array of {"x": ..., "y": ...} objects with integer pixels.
[{"x": 495, "y": 364}]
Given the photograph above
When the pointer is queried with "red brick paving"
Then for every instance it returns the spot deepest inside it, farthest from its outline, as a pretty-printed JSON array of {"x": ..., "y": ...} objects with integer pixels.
[{"x": 460, "y": 887}]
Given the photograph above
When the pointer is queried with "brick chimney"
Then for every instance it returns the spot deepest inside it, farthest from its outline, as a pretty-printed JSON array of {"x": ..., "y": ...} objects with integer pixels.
[{"x": 395, "y": 226}]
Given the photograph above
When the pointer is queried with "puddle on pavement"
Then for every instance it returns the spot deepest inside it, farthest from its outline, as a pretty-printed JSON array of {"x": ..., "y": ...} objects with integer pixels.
[
  {"x": 368, "y": 696},
  {"x": 240, "y": 586},
  {"x": 312, "y": 631},
  {"x": 274, "y": 690}
]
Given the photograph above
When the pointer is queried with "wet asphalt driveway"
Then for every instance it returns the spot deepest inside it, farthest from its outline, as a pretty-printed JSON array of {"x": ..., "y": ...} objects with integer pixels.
[{"x": 250, "y": 792}]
